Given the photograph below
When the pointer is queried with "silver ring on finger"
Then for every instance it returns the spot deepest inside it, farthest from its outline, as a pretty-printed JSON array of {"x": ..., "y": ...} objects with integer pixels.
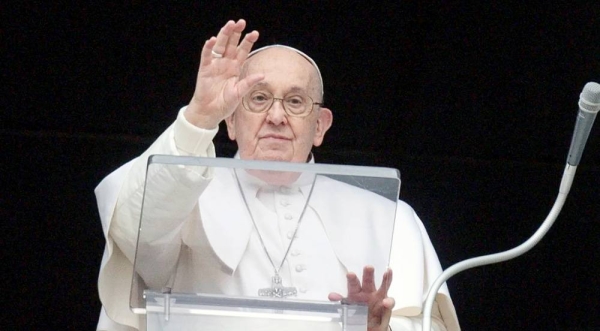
[{"x": 216, "y": 55}]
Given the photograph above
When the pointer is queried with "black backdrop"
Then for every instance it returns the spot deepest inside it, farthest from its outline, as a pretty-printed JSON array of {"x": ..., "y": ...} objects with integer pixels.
[{"x": 474, "y": 103}]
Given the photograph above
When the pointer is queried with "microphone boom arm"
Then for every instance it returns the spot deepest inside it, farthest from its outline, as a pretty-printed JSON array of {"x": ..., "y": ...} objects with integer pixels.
[
  {"x": 565, "y": 187},
  {"x": 589, "y": 106}
]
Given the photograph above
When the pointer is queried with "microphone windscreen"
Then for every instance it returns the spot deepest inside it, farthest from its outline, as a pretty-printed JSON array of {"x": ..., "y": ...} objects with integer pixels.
[{"x": 589, "y": 99}]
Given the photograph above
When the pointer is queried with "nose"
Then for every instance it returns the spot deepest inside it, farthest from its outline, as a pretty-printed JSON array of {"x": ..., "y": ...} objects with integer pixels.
[{"x": 276, "y": 114}]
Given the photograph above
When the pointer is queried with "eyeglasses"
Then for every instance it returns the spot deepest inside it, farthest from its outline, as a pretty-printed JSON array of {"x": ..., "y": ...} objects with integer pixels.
[{"x": 294, "y": 104}]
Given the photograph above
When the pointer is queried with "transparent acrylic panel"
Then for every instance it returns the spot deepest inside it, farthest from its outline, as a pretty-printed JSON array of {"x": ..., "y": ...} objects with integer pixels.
[{"x": 288, "y": 231}]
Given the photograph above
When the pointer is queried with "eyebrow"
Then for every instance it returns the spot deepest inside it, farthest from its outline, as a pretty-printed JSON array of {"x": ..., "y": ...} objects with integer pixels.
[{"x": 292, "y": 89}]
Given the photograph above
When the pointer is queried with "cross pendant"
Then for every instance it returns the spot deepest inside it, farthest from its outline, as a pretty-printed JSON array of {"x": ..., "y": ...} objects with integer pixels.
[{"x": 277, "y": 290}]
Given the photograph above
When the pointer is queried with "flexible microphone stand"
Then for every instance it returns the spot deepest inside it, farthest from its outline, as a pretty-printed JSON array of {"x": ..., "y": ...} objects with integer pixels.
[{"x": 589, "y": 105}]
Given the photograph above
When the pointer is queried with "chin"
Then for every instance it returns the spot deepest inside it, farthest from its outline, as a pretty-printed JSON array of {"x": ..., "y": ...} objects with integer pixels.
[
  {"x": 274, "y": 156},
  {"x": 279, "y": 158}
]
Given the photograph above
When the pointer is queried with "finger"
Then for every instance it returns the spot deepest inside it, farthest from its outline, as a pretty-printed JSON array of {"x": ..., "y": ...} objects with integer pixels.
[
  {"x": 246, "y": 45},
  {"x": 205, "y": 55},
  {"x": 335, "y": 296},
  {"x": 386, "y": 282},
  {"x": 353, "y": 284},
  {"x": 244, "y": 85},
  {"x": 234, "y": 39},
  {"x": 223, "y": 38},
  {"x": 368, "y": 279}
]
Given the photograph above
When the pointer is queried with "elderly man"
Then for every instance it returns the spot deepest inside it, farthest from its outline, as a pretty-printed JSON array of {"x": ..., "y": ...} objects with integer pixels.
[{"x": 270, "y": 100}]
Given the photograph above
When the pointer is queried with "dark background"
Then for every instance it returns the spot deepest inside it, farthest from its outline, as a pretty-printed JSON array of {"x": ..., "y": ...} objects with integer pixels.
[{"x": 475, "y": 103}]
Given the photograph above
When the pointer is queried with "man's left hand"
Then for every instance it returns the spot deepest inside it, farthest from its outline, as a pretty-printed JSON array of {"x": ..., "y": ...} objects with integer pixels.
[{"x": 380, "y": 305}]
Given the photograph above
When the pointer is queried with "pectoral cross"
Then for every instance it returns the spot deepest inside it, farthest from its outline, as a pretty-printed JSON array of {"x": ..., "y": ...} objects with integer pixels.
[{"x": 277, "y": 290}]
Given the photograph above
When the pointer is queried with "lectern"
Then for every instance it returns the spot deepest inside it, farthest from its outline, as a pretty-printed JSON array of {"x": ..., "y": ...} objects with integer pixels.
[{"x": 262, "y": 246}]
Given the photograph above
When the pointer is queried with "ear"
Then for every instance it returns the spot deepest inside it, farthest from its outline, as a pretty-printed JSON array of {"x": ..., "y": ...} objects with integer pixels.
[
  {"x": 323, "y": 124},
  {"x": 230, "y": 121}
]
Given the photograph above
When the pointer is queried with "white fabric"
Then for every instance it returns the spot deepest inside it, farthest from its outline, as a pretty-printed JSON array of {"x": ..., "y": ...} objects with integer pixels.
[
  {"x": 216, "y": 251},
  {"x": 311, "y": 255}
]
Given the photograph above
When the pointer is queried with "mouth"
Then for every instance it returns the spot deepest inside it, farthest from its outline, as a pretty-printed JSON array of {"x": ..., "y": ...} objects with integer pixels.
[{"x": 275, "y": 137}]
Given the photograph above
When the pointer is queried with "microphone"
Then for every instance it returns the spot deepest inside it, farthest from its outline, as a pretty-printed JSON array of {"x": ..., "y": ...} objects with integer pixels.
[{"x": 589, "y": 105}]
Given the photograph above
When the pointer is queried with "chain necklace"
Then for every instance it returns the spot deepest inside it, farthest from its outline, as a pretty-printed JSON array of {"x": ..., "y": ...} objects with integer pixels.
[{"x": 277, "y": 289}]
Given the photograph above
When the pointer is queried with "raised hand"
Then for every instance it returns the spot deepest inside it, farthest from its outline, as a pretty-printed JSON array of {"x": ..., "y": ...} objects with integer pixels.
[
  {"x": 219, "y": 89},
  {"x": 379, "y": 304}
]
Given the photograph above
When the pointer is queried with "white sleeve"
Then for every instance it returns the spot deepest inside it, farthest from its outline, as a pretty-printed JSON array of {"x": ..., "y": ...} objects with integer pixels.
[
  {"x": 119, "y": 198},
  {"x": 415, "y": 323},
  {"x": 416, "y": 266},
  {"x": 179, "y": 191}
]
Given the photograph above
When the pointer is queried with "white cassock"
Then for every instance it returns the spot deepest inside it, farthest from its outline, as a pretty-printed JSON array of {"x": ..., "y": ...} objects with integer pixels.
[{"x": 205, "y": 231}]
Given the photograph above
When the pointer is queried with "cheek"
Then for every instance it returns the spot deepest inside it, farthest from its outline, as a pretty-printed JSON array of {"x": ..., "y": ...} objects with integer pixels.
[
  {"x": 305, "y": 134},
  {"x": 247, "y": 128}
]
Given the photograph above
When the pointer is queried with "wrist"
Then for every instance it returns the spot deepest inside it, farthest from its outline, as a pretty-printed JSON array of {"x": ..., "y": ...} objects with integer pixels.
[{"x": 193, "y": 114}]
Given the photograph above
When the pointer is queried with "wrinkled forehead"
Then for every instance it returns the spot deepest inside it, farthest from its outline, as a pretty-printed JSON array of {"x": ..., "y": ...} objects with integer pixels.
[{"x": 319, "y": 78}]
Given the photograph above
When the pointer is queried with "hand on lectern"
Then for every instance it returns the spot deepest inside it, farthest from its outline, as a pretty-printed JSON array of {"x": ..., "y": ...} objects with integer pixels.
[
  {"x": 219, "y": 88},
  {"x": 380, "y": 305}
]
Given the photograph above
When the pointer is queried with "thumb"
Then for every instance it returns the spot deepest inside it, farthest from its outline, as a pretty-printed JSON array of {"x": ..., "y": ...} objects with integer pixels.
[
  {"x": 244, "y": 85},
  {"x": 388, "y": 304},
  {"x": 335, "y": 296}
]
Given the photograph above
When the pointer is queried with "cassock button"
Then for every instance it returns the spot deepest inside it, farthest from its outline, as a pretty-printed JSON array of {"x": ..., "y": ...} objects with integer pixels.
[
  {"x": 290, "y": 234},
  {"x": 300, "y": 267},
  {"x": 288, "y": 216},
  {"x": 295, "y": 252},
  {"x": 284, "y": 202}
]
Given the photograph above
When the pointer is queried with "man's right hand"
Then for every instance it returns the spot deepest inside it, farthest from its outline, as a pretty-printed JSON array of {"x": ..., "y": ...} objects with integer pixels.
[{"x": 219, "y": 89}]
